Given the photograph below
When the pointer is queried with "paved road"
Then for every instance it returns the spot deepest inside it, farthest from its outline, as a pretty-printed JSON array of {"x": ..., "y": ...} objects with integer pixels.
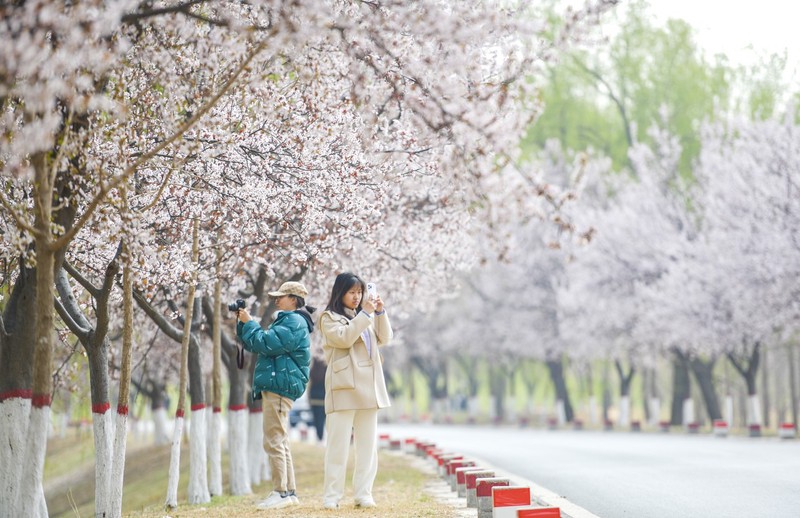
[{"x": 638, "y": 475}]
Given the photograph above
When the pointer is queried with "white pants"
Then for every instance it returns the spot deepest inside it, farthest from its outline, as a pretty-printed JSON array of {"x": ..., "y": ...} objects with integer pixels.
[{"x": 364, "y": 425}]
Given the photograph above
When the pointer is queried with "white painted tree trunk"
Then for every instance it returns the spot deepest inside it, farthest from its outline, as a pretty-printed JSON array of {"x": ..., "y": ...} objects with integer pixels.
[
  {"x": 15, "y": 414},
  {"x": 594, "y": 412},
  {"x": 215, "y": 452},
  {"x": 530, "y": 408},
  {"x": 160, "y": 433},
  {"x": 511, "y": 409},
  {"x": 118, "y": 463},
  {"x": 624, "y": 411},
  {"x": 174, "y": 465},
  {"x": 198, "y": 465},
  {"x": 439, "y": 409},
  {"x": 237, "y": 451},
  {"x": 688, "y": 411},
  {"x": 561, "y": 413},
  {"x": 728, "y": 414},
  {"x": 493, "y": 408},
  {"x": 256, "y": 456},
  {"x": 472, "y": 408},
  {"x": 753, "y": 410},
  {"x": 655, "y": 410},
  {"x": 30, "y": 498},
  {"x": 103, "y": 433}
]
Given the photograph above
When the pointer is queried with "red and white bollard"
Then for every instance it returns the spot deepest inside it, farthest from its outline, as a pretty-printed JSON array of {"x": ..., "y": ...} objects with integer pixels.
[
  {"x": 483, "y": 489},
  {"x": 451, "y": 471},
  {"x": 787, "y": 431},
  {"x": 443, "y": 459},
  {"x": 507, "y": 500},
  {"x": 721, "y": 428},
  {"x": 461, "y": 479},
  {"x": 471, "y": 485},
  {"x": 409, "y": 445}
]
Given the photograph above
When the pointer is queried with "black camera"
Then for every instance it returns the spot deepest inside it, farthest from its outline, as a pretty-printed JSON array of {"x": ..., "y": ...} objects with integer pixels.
[{"x": 236, "y": 306}]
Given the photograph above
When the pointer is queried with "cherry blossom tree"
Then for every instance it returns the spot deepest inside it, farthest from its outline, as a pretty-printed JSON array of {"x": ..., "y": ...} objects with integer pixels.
[{"x": 97, "y": 96}]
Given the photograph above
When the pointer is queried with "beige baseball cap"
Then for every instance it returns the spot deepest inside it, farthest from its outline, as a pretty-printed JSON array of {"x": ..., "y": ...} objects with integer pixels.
[{"x": 290, "y": 288}]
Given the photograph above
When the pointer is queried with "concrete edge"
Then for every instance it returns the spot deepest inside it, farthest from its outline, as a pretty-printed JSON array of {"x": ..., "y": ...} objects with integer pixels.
[{"x": 541, "y": 495}]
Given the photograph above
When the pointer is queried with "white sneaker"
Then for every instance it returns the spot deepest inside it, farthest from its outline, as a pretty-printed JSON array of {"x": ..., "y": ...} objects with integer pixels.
[
  {"x": 330, "y": 505},
  {"x": 275, "y": 501},
  {"x": 366, "y": 502},
  {"x": 295, "y": 500}
]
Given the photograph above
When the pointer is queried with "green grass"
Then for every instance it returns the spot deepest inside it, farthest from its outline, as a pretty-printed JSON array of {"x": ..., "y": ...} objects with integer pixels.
[{"x": 399, "y": 487}]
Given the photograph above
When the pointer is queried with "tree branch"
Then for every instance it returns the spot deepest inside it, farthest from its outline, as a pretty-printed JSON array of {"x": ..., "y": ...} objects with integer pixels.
[
  {"x": 83, "y": 281},
  {"x": 132, "y": 18},
  {"x": 737, "y": 365},
  {"x": 117, "y": 180},
  {"x": 105, "y": 292},
  {"x": 159, "y": 319},
  {"x": 69, "y": 311},
  {"x": 617, "y": 101}
]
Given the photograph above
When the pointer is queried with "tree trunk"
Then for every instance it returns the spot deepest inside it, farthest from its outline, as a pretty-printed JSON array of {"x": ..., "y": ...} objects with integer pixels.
[
  {"x": 765, "y": 372},
  {"x": 556, "y": 369},
  {"x": 16, "y": 378},
  {"x": 198, "y": 459},
  {"x": 159, "y": 406},
  {"x": 256, "y": 456},
  {"x": 215, "y": 445},
  {"x": 681, "y": 386},
  {"x": 746, "y": 364},
  {"x": 792, "y": 383},
  {"x": 433, "y": 371},
  {"x": 625, "y": 391},
  {"x": 498, "y": 374},
  {"x": 95, "y": 341},
  {"x": 703, "y": 373},
  {"x": 121, "y": 438},
  {"x": 238, "y": 414},
  {"x": 30, "y": 500},
  {"x": 175, "y": 454},
  {"x": 606, "y": 389}
]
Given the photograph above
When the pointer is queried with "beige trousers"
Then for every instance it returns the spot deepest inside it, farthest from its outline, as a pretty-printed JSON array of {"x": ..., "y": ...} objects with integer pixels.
[
  {"x": 364, "y": 425},
  {"x": 276, "y": 440}
]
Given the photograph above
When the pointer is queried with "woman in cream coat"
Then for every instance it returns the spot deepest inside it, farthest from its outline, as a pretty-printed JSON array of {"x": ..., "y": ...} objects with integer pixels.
[{"x": 353, "y": 328}]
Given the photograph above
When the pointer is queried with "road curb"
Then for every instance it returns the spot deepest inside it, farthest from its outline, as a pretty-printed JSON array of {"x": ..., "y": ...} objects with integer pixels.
[{"x": 442, "y": 491}]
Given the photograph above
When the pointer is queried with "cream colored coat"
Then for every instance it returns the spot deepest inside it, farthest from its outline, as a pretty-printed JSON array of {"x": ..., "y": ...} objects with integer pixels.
[{"x": 342, "y": 342}]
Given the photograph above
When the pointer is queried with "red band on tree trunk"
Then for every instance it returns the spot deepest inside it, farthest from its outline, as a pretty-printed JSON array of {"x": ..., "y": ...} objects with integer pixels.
[
  {"x": 179, "y": 413},
  {"x": 40, "y": 400},
  {"x": 17, "y": 393},
  {"x": 236, "y": 408},
  {"x": 122, "y": 409},
  {"x": 101, "y": 408},
  {"x": 198, "y": 406}
]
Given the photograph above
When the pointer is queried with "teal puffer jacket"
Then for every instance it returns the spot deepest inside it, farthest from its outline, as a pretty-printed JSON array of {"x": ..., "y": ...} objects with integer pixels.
[{"x": 283, "y": 353}]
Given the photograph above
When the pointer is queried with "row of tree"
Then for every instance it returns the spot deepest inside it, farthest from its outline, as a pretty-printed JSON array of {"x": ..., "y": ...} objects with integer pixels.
[
  {"x": 688, "y": 190},
  {"x": 200, "y": 151}
]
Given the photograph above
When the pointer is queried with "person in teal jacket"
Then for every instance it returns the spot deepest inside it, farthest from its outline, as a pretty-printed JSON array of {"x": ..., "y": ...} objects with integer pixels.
[{"x": 280, "y": 377}]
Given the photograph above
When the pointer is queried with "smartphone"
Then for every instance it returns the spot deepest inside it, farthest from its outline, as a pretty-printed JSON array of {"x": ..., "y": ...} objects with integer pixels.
[{"x": 372, "y": 290}]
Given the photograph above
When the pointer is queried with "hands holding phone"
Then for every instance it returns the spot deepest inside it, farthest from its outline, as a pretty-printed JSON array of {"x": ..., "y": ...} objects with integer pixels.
[{"x": 372, "y": 302}]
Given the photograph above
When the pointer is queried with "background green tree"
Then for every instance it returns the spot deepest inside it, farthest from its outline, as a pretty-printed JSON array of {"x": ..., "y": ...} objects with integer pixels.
[{"x": 607, "y": 97}]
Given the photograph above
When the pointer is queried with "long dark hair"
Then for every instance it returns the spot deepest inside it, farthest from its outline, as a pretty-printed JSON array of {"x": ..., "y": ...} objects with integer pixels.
[{"x": 344, "y": 281}]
